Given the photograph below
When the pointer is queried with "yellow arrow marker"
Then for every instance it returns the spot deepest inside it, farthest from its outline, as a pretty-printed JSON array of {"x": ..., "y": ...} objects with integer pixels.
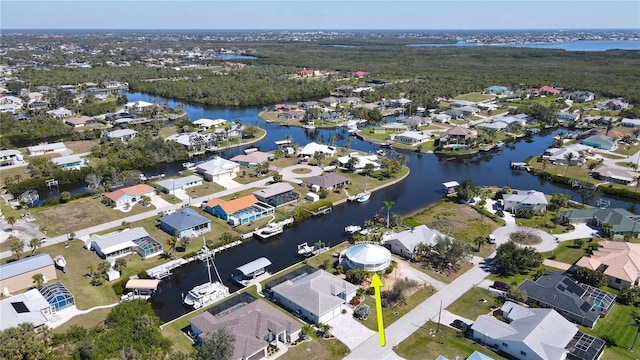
[{"x": 376, "y": 283}]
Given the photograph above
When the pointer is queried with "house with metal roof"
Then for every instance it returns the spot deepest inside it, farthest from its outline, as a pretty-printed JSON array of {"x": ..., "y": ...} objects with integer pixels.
[
  {"x": 326, "y": 181},
  {"x": 123, "y": 135},
  {"x": 600, "y": 142},
  {"x": 412, "y": 137},
  {"x": 619, "y": 261},
  {"x": 360, "y": 162},
  {"x": 218, "y": 168},
  {"x": 404, "y": 243},
  {"x": 630, "y": 122},
  {"x": 28, "y": 307},
  {"x": 122, "y": 243},
  {"x": 127, "y": 197},
  {"x": 311, "y": 148},
  {"x": 185, "y": 223},
  {"x": 525, "y": 199},
  {"x": 496, "y": 90},
  {"x": 277, "y": 194},
  {"x": 70, "y": 162},
  {"x": 530, "y": 333},
  {"x": 239, "y": 211},
  {"x": 579, "y": 303},
  {"x": 18, "y": 275},
  {"x": 317, "y": 297},
  {"x": 169, "y": 186},
  {"x": 10, "y": 157},
  {"x": 620, "y": 222},
  {"x": 254, "y": 326},
  {"x": 46, "y": 148}
]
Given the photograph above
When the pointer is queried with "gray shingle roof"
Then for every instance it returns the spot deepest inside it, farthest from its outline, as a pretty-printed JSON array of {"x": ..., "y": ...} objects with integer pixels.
[
  {"x": 411, "y": 238},
  {"x": 326, "y": 181},
  {"x": 184, "y": 219}
]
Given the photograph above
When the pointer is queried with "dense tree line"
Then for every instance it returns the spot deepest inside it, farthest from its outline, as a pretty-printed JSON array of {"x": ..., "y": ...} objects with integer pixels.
[{"x": 140, "y": 152}]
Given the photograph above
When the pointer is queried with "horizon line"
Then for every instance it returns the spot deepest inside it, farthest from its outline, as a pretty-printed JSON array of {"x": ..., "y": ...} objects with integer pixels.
[{"x": 317, "y": 29}]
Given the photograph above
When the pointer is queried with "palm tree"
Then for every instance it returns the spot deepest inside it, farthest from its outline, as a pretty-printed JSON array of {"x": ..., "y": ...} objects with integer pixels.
[
  {"x": 569, "y": 157},
  {"x": 171, "y": 243},
  {"x": 479, "y": 241},
  {"x": 11, "y": 220},
  {"x": 34, "y": 243},
  {"x": 387, "y": 205},
  {"x": 319, "y": 156},
  {"x": 38, "y": 279},
  {"x": 17, "y": 247},
  {"x": 637, "y": 180},
  {"x": 91, "y": 269},
  {"x": 636, "y": 323}
]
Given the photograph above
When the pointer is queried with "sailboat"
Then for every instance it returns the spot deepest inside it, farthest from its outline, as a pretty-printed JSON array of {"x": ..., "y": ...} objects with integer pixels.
[
  {"x": 208, "y": 292},
  {"x": 365, "y": 195}
]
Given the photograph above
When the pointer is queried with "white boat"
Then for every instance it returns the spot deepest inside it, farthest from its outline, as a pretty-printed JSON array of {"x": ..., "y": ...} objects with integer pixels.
[
  {"x": 309, "y": 127},
  {"x": 363, "y": 196},
  {"x": 270, "y": 230},
  {"x": 352, "y": 229},
  {"x": 208, "y": 292},
  {"x": 60, "y": 262},
  {"x": 305, "y": 250},
  {"x": 381, "y": 152},
  {"x": 189, "y": 165}
]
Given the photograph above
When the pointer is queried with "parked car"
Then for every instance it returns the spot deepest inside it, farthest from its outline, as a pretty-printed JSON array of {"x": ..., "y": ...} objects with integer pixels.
[
  {"x": 491, "y": 239},
  {"x": 459, "y": 324},
  {"x": 501, "y": 286},
  {"x": 500, "y": 204}
]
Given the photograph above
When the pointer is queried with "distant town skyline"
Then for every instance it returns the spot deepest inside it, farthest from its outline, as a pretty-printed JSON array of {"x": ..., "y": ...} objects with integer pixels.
[{"x": 320, "y": 15}]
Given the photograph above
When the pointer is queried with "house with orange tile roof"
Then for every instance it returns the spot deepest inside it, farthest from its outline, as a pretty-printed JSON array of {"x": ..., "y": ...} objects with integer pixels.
[
  {"x": 126, "y": 197},
  {"x": 239, "y": 211},
  {"x": 618, "y": 260}
]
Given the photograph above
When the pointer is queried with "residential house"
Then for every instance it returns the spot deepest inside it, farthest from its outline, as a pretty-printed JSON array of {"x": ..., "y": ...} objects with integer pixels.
[
  {"x": 138, "y": 106},
  {"x": 126, "y": 197},
  {"x": 496, "y": 90},
  {"x": 614, "y": 104},
  {"x": 614, "y": 222},
  {"x": 415, "y": 121},
  {"x": 311, "y": 148},
  {"x": 291, "y": 115},
  {"x": 122, "y": 135},
  {"x": 197, "y": 141},
  {"x": 442, "y": 118},
  {"x": 530, "y": 333},
  {"x": 80, "y": 121},
  {"x": 317, "y": 297},
  {"x": 458, "y": 136},
  {"x": 122, "y": 243},
  {"x": 9, "y": 108},
  {"x": 360, "y": 162},
  {"x": 600, "y": 142},
  {"x": 615, "y": 175},
  {"x": 217, "y": 169},
  {"x": 327, "y": 181},
  {"x": 579, "y": 303},
  {"x": 277, "y": 194},
  {"x": 405, "y": 243},
  {"x": 252, "y": 159},
  {"x": 560, "y": 156},
  {"x": 185, "y": 223},
  {"x": 37, "y": 105},
  {"x": 70, "y": 162},
  {"x": 239, "y": 211},
  {"x": 454, "y": 114},
  {"x": 492, "y": 126},
  {"x": 390, "y": 127},
  {"x": 630, "y": 122},
  {"x": 581, "y": 96},
  {"x": 546, "y": 91},
  {"x": 618, "y": 260},
  {"x": 46, "y": 149},
  {"x": 18, "y": 275},
  {"x": 412, "y": 137},
  {"x": 60, "y": 113},
  {"x": 28, "y": 307},
  {"x": 206, "y": 124},
  {"x": 10, "y": 157},
  {"x": 360, "y": 74},
  {"x": 170, "y": 186},
  {"x": 567, "y": 116},
  {"x": 525, "y": 199},
  {"x": 254, "y": 326},
  {"x": 462, "y": 103},
  {"x": 331, "y": 101},
  {"x": 468, "y": 110}
]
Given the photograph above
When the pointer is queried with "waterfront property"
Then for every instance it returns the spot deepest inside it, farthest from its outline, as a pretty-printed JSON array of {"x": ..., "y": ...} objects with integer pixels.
[
  {"x": 254, "y": 327},
  {"x": 404, "y": 243},
  {"x": 359, "y": 162},
  {"x": 28, "y": 307},
  {"x": 277, "y": 194},
  {"x": 311, "y": 148},
  {"x": 620, "y": 222},
  {"x": 600, "y": 142},
  {"x": 580, "y": 303},
  {"x": 80, "y": 121},
  {"x": 560, "y": 156},
  {"x": 327, "y": 181},
  {"x": 535, "y": 334},
  {"x": 46, "y": 149},
  {"x": 123, "y": 135},
  {"x": 206, "y": 124},
  {"x": 70, "y": 162},
  {"x": 412, "y": 137},
  {"x": 367, "y": 257},
  {"x": 170, "y": 186},
  {"x": 122, "y": 243},
  {"x": 251, "y": 270},
  {"x": 567, "y": 117},
  {"x": 10, "y": 157},
  {"x": 217, "y": 169},
  {"x": 458, "y": 136},
  {"x": 252, "y": 159},
  {"x": 615, "y": 175},
  {"x": 317, "y": 297},
  {"x": 239, "y": 211},
  {"x": 525, "y": 199},
  {"x": 127, "y": 197},
  {"x": 18, "y": 275},
  {"x": 618, "y": 260},
  {"x": 185, "y": 223}
]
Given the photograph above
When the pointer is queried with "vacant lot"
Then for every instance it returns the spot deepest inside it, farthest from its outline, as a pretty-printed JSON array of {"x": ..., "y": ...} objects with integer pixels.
[
  {"x": 81, "y": 146},
  {"x": 317, "y": 349},
  {"x": 470, "y": 306}
]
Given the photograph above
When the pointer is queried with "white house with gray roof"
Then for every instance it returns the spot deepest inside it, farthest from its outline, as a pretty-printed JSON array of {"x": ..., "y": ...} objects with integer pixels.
[
  {"x": 123, "y": 135},
  {"x": 46, "y": 148},
  {"x": 28, "y": 307},
  {"x": 218, "y": 168},
  {"x": 525, "y": 199},
  {"x": 404, "y": 243},
  {"x": 317, "y": 297},
  {"x": 121, "y": 243},
  {"x": 169, "y": 186}
]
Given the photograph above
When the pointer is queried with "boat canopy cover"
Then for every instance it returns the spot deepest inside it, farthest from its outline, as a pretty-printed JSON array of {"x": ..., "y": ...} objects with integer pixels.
[
  {"x": 147, "y": 284},
  {"x": 255, "y": 265}
]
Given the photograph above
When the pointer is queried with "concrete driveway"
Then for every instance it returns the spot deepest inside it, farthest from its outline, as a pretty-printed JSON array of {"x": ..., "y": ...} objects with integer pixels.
[
  {"x": 349, "y": 330},
  {"x": 288, "y": 174}
]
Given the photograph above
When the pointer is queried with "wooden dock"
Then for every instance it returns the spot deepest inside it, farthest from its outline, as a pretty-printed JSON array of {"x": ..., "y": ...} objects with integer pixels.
[
  {"x": 323, "y": 210},
  {"x": 273, "y": 229},
  {"x": 165, "y": 270}
]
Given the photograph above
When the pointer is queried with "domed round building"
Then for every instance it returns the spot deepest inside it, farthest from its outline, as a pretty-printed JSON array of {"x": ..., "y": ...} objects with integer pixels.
[{"x": 367, "y": 257}]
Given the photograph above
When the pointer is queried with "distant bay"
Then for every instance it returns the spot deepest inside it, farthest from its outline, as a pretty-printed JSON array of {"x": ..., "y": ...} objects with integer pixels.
[{"x": 577, "y": 45}]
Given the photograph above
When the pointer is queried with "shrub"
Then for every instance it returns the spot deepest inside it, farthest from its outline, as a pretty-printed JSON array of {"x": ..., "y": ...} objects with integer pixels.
[{"x": 119, "y": 286}]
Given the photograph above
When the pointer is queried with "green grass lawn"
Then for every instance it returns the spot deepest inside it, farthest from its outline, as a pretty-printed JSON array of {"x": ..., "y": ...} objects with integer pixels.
[
  {"x": 616, "y": 328},
  {"x": 447, "y": 342},
  {"x": 469, "y": 305},
  {"x": 476, "y": 97},
  {"x": 369, "y": 135},
  {"x": 317, "y": 349},
  {"x": 390, "y": 315},
  {"x": 566, "y": 252},
  {"x": 88, "y": 320},
  {"x": 444, "y": 277}
]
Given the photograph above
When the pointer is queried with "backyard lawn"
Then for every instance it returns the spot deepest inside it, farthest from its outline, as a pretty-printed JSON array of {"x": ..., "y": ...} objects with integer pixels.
[
  {"x": 618, "y": 331},
  {"x": 469, "y": 305},
  {"x": 475, "y": 97},
  {"x": 390, "y": 315},
  {"x": 317, "y": 349},
  {"x": 426, "y": 343},
  {"x": 567, "y": 252}
]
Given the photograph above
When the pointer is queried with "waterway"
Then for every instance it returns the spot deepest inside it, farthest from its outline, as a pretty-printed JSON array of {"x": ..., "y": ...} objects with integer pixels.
[
  {"x": 576, "y": 45},
  {"x": 421, "y": 188}
]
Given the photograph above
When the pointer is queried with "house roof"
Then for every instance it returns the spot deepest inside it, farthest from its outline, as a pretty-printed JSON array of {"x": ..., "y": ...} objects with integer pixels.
[
  {"x": 115, "y": 241},
  {"x": 409, "y": 239},
  {"x": 184, "y": 219},
  {"x": 273, "y": 190},
  {"x": 234, "y": 205},
  {"x": 62, "y": 160},
  {"x": 562, "y": 292},
  {"x": 25, "y": 265},
  {"x": 526, "y": 197},
  {"x": 621, "y": 219},
  {"x": 317, "y": 292},
  {"x": 543, "y": 331},
  {"x": 178, "y": 183},
  {"x": 139, "y": 189},
  {"x": 52, "y": 146},
  {"x": 326, "y": 181},
  {"x": 248, "y": 324},
  {"x": 255, "y": 157},
  {"x": 311, "y": 148},
  {"x": 78, "y": 120},
  {"x": 217, "y": 166},
  {"x": 251, "y": 267},
  {"x": 418, "y": 135},
  {"x": 622, "y": 260},
  {"x": 599, "y": 139},
  {"x": 115, "y": 134},
  {"x": 457, "y": 131},
  {"x": 616, "y": 173},
  {"x": 21, "y": 308},
  {"x": 549, "y": 89}
]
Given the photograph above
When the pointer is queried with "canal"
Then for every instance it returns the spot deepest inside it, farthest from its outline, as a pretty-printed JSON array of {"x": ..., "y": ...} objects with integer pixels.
[{"x": 421, "y": 188}]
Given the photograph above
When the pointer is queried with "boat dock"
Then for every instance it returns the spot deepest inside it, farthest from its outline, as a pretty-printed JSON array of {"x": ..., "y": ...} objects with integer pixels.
[
  {"x": 271, "y": 229},
  {"x": 323, "y": 210},
  {"x": 519, "y": 166}
]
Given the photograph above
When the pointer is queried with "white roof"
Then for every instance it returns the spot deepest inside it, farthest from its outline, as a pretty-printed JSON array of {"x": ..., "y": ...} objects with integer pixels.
[
  {"x": 418, "y": 135},
  {"x": 410, "y": 238},
  {"x": 363, "y": 160},
  {"x": 531, "y": 197},
  {"x": 209, "y": 123},
  {"x": 178, "y": 183},
  {"x": 311, "y": 148},
  {"x": 43, "y": 147},
  {"x": 217, "y": 166},
  {"x": 62, "y": 160},
  {"x": 115, "y": 134},
  {"x": 25, "y": 265},
  {"x": 113, "y": 242},
  {"x": 9, "y": 152},
  {"x": 34, "y": 303},
  {"x": 368, "y": 254}
]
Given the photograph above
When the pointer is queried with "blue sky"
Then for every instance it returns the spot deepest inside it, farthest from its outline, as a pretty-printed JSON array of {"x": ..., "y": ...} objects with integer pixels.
[{"x": 299, "y": 14}]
